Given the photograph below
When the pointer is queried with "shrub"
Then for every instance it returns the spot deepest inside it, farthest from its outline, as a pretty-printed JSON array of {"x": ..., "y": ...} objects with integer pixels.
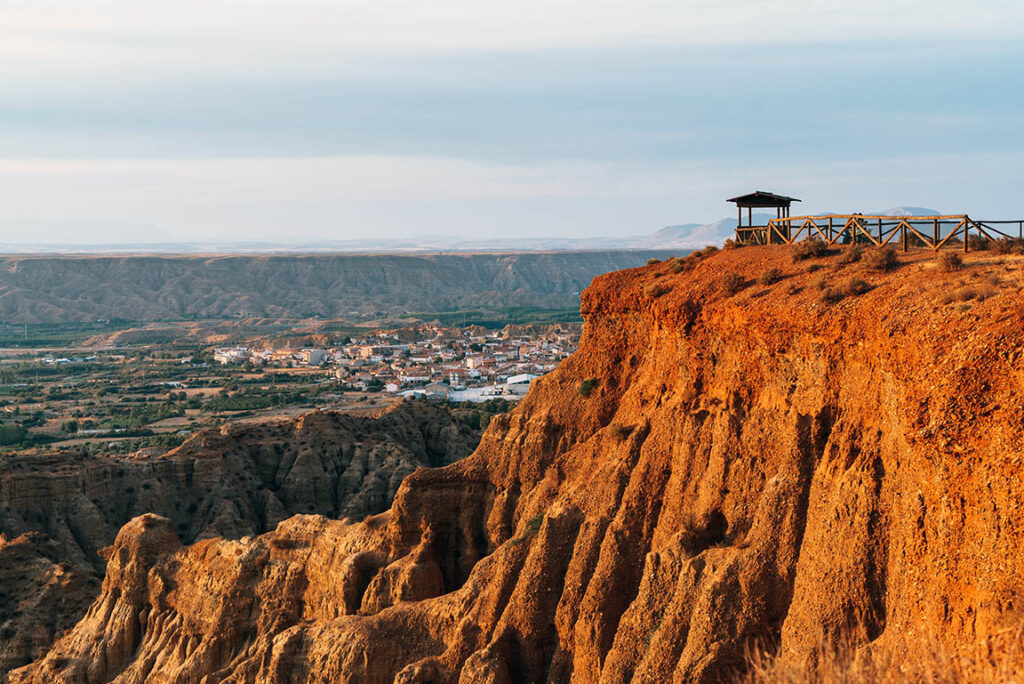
[
  {"x": 707, "y": 251},
  {"x": 830, "y": 295},
  {"x": 967, "y": 293},
  {"x": 732, "y": 244},
  {"x": 769, "y": 276},
  {"x": 1008, "y": 246},
  {"x": 586, "y": 387},
  {"x": 880, "y": 258},
  {"x": 656, "y": 289},
  {"x": 530, "y": 530},
  {"x": 810, "y": 249},
  {"x": 977, "y": 243},
  {"x": 854, "y": 287},
  {"x": 733, "y": 283},
  {"x": 651, "y": 262},
  {"x": 950, "y": 261},
  {"x": 620, "y": 431},
  {"x": 851, "y": 254},
  {"x": 679, "y": 264},
  {"x": 819, "y": 283}
]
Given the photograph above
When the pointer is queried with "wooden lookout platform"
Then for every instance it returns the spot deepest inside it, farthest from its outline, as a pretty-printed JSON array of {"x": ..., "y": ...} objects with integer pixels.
[{"x": 932, "y": 232}]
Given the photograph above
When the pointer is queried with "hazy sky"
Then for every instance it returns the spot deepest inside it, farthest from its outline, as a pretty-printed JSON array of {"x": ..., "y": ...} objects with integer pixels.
[{"x": 146, "y": 120}]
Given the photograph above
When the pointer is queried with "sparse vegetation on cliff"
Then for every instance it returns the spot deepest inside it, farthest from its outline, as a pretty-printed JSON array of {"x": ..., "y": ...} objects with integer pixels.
[
  {"x": 809, "y": 249},
  {"x": 1008, "y": 246},
  {"x": 950, "y": 261},
  {"x": 850, "y": 254},
  {"x": 880, "y": 258},
  {"x": 586, "y": 387},
  {"x": 732, "y": 283},
  {"x": 769, "y": 276},
  {"x": 656, "y": 289}
]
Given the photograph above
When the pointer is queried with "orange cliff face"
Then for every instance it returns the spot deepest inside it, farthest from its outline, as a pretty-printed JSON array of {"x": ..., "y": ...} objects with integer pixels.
[{"x": 708, "y": 472}]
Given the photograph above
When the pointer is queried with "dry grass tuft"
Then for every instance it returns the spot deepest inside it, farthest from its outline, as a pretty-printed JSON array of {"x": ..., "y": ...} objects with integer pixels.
[
  {"x": 1008, "y": 246},
  {"x": 769, "y": 276},
  {"x": 880, "y": 258},
  {"x": 978, "y": 243},
  {"x": 831, "y": 295},
  {"x": 587, "y": 387},
  {"x": 950, "y": 261},
  {"x": 851, "y": 254},
  {"x": 733, "y": 283},
  {"x": 810, "y": 249},
  {"x": 855, "y": 286},
  {"x": 619, "y": 431},
  {"x": 681, "y": 264},
  {"x": 656, "y": 289},
  {"x": 969, "y": 292}
]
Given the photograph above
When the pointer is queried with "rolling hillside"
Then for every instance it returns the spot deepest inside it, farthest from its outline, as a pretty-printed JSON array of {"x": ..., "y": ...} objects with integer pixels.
[{"x": 41, "y": 289}]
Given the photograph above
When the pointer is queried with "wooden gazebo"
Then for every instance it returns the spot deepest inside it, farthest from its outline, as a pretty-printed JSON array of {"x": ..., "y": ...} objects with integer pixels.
[{"x": 758, "y": 200}]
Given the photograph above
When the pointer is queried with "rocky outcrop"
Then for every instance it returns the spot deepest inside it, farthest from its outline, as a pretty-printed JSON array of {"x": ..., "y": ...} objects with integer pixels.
[
  {"x": 709, "y": 471},
  {"x": 41, "y": 596},
  {"x": 231, "y": 482}
]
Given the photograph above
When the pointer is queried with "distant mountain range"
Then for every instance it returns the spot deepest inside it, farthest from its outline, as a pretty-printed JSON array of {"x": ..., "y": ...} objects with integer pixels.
[
  {"x": 63, "y": 288},
  {"x": 677, "y": 237}
]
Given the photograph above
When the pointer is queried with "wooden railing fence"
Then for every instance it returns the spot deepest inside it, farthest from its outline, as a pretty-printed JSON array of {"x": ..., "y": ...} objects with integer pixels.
[{"x": 933, "y": 232}]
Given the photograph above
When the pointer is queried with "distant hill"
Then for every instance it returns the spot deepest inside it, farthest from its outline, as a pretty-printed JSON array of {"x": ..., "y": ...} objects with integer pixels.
[
  {"x": 675, "y": 237},
  {"x": 699, "y": 234},
  {"x": 40, "y": 289},
  {"x": 909, "y": 211}
]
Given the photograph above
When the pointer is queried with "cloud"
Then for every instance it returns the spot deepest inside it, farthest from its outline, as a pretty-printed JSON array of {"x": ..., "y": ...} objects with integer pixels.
[
  {"x": 350, "y": 197},
  {"x": 328, "y": 118},
  {"x": 322, "y": 36}
]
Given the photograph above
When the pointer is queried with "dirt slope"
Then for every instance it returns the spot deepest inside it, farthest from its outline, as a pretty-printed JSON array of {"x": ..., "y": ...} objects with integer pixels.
[{"x": 763, "y": 465}]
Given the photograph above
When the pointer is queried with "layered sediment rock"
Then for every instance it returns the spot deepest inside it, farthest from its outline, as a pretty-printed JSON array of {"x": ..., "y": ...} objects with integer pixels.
[
  {"x": 235, "y": 481},
  {"x": 707, "y": 472}
]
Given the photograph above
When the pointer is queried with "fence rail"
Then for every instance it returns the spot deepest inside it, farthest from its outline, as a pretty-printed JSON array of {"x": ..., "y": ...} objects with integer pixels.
[{"x": 933, "y": 232}]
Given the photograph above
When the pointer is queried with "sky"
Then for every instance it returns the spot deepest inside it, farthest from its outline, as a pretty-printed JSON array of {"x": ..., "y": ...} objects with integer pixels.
[{"x": 221, "y": 120}]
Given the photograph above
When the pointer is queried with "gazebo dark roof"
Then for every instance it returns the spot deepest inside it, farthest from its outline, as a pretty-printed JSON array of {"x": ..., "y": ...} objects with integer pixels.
[{"x": 759, "y": 198}]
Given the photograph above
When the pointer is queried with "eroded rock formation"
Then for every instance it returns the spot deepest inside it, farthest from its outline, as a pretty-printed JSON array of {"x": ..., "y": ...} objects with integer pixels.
[
  {"x": 764, "y": 466},
  {"x": 58, "y": 511}
]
